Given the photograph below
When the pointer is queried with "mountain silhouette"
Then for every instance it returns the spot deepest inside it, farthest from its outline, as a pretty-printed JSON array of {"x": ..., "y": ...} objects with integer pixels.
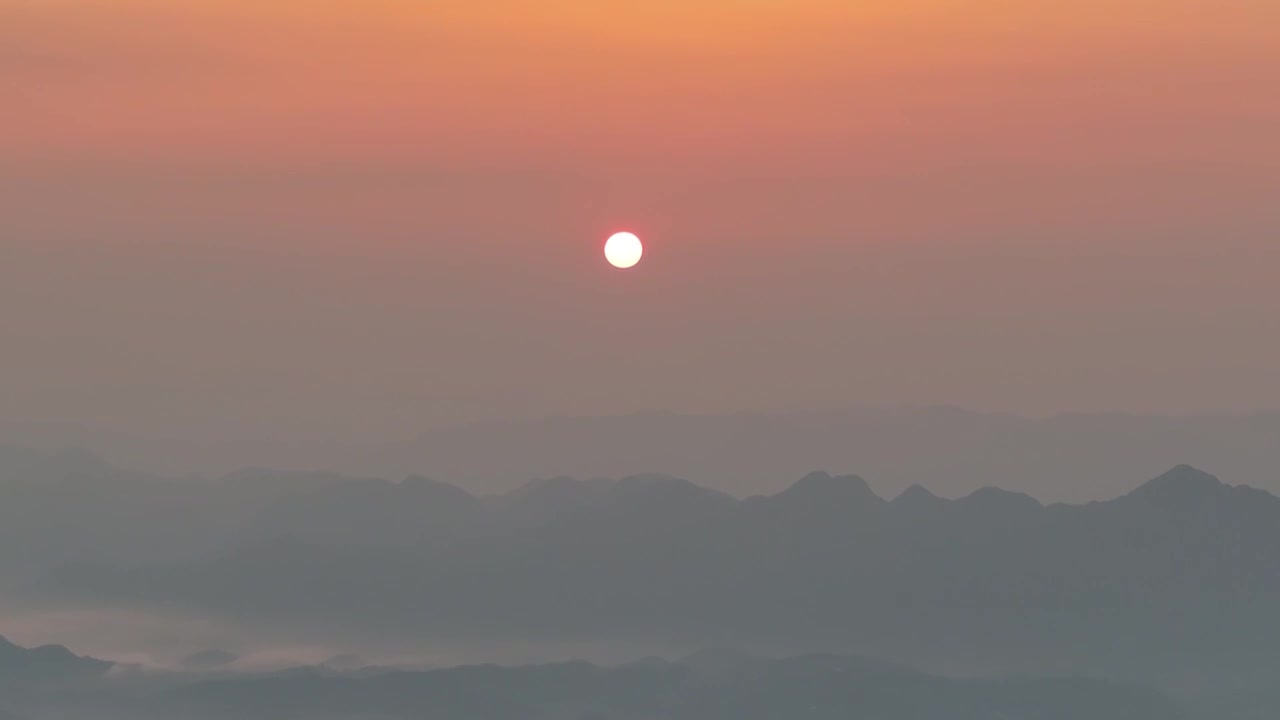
[
  {"x": 48, "y": 664},
  {"x": 1183, "y": 487},
  {"x": 821, "y": 492},
  {"x": 717, "y": 684},
  {"x": 1175, "y": 577},
  {"x": 1073, "y": 457},
  {"x": 993, "y": 579}
]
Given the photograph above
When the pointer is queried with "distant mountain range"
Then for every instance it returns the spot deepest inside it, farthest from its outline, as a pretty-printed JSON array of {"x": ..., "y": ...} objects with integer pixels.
[
  {"x": 1074, "y": 457},
  {"x": 1178, "y": 576},
  {"x": 1174, "y": 583},
  {"x": 1068, "y": 457},
  {"x": 713, "y": 685}
]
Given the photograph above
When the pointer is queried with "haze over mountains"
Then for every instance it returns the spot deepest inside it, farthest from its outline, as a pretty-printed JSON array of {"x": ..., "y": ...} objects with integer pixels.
[
  {"x": 1070, "y": 457},
  {"x": 1171, "y": 585},
  {"x": 945, "y": 387}
]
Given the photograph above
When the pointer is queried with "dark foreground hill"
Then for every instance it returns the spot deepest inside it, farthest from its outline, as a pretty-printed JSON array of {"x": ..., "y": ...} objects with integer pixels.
[
  {"x": 49, "y": 664},
  {"x": 817, "y": 687},
  {"x": 41, "y": 682},
  {"x": 708, "y": 686}
]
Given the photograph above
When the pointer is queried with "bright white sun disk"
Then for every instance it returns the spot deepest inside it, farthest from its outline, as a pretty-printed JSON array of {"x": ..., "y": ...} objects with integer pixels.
[{"x": 623, "y": 250}]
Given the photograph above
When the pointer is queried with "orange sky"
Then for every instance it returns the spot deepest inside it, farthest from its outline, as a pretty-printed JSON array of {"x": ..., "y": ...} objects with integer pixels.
[
  {"x": 234, "y": 81},
  {"x": 955, "y": 193}
]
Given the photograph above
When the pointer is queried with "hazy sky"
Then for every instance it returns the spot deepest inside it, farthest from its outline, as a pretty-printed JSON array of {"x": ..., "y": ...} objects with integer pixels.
[{"x": 362, "y": 218}]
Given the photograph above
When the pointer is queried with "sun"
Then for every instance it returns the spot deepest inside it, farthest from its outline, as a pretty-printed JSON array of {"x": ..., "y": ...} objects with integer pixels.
[{"x": 623, "y": 250}]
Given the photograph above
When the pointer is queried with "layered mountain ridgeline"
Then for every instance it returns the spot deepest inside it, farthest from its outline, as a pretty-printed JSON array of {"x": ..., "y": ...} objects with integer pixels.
[
  {"x": 1070, "y": 457},
  {"x": 1175, "y": 582},
  {"x": 707, "y": 686}
]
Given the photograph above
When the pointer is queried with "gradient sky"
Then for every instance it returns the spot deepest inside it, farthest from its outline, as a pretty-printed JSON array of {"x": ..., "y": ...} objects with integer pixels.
[{"x": 366, "y": 218}]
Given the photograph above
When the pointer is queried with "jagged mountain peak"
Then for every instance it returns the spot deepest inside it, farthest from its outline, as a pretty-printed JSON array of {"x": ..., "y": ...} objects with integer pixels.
[
  {"x": 997, "y": 499},
  {"x": 1183, "y": 485},
  {"x": 826, "y": 487}
]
